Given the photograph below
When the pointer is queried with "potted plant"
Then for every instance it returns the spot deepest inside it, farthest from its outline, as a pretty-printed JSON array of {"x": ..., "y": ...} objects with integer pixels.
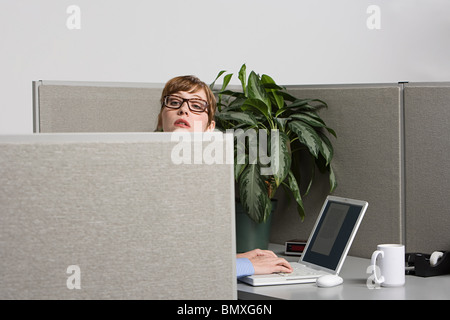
[{"x": 283, "y": 125}]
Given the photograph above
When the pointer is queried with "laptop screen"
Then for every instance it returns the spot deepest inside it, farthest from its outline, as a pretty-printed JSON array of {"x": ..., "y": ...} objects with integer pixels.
[{"x": 333, "y": 233}]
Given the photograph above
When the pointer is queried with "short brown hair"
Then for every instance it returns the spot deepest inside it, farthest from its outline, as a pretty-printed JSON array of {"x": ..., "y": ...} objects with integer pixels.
[{"x": 188, "y": 84}]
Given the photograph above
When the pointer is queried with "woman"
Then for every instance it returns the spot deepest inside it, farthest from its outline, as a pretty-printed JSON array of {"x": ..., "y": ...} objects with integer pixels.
[
  {"x": 188, "y": 104},
  {"x": 186, "y": 101}
]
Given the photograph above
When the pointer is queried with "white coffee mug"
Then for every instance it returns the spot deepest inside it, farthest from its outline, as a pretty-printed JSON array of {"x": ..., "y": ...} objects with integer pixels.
[{"x": 391, "y": 263}]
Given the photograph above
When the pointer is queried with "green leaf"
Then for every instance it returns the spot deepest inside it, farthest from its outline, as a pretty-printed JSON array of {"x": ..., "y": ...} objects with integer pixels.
[
  {"x": 236, "y": 104},
  {"x": 226, "y": 81},
  {"x": 326, "y": 149},
  {"x": 272, "y": 89},
  {"x": 301, "y": 105},
  {"x": 279, "y": 100},
  {"x": 333, "y": 182},
  {"x": 242, "y": 76},
  {"x": 211, "y": 86},
  {"x": 331, "y": 131},
  {"x": 294, "y": 110},
  {"x": 240, "y": 117},
  {"x": 303, "y": 102},
  {"x": 287, "y": 96},
  {"x": 281, "y": 122},
  {"x": 314, "y": 115},
  {"x": 253, "y": 194},
  {"x": 307, "y": 135},
  {"x": 269, "y": 83},
  {"x": 258, "y": 105},
  {"x": 314, "y": 122},
  {"x": 280, "y": 111},
  {"x": 231, "y": 93},
  {"x": 271, "y": 86},
  {"x": 255, "y": 90},
  {"x": 280, "y": 156},
  {"x": 293, "y": 186}
]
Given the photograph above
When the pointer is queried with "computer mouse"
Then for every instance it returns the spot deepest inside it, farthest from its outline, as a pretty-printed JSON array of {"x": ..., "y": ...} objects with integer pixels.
[{"x": 329, "y": 280}]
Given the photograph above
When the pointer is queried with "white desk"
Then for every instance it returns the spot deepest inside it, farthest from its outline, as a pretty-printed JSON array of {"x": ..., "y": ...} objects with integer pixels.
[{"x": 354, "y": 287}]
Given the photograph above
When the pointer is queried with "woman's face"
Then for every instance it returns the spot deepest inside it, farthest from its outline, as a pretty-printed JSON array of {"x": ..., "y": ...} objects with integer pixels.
[{"x": 183, "y": 119}]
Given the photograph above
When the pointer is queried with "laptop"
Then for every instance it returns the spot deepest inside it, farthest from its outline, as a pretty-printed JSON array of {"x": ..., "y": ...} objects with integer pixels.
[{"x": 327, "y": 246}]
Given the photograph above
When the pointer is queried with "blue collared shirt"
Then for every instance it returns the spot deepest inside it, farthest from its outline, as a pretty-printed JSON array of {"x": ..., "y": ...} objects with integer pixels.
[{"x": 244, "y": 267}]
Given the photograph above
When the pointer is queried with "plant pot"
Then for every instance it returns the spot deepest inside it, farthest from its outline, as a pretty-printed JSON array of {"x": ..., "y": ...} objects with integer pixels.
[{"x": 249, "y": 234}]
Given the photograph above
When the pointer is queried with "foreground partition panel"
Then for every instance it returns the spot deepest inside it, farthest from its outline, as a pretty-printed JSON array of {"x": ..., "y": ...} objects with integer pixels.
[{"x": 111, "y": 216}]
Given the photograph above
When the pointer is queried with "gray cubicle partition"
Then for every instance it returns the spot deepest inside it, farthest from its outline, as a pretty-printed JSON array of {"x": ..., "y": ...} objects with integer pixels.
[
  {"x": 61, "y": 106},
  {"x": 110, "y": 216},
  {"x": 367, "y": 163},
  {"x": 391, "y": 151},
  {"x": 427, "y": 154}
]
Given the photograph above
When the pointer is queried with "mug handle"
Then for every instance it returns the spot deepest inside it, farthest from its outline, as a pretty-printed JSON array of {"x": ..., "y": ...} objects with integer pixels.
[{"x": 374, "y": 266}]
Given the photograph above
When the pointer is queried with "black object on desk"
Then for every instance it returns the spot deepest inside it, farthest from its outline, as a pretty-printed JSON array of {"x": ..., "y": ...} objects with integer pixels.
[
  {"x": 294, "y": 247},
  {"x": 420, "y": 263}
]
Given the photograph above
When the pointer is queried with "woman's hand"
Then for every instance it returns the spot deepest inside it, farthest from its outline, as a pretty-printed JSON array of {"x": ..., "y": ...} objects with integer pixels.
[{"x": 266, "y": 261}]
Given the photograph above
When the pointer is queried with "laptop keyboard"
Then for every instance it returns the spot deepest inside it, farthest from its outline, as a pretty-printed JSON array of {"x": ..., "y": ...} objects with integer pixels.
[{"x": 301, "y": 271}]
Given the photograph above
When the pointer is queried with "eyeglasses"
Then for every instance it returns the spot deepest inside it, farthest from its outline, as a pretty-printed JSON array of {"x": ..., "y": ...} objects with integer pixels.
[{"x": 195, "y": 105}]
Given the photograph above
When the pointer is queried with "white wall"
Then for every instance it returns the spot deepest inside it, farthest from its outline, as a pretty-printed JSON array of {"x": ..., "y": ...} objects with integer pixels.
[{"x": 294, "y": 41}]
